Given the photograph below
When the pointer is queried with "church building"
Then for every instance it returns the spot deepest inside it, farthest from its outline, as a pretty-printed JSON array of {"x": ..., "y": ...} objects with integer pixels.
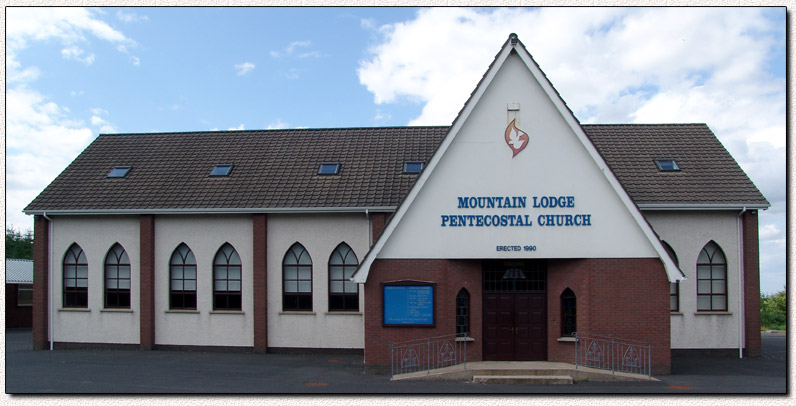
[{"x": 516, "y": 227}]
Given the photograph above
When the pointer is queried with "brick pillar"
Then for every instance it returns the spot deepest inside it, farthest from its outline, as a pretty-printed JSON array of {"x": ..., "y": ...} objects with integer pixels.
[
  {"x": 41, "y": 279},
  {"x": 751, "y": 282},
  {"x": 377, "y": 223},
  {"x": 260, "y": 295},
  {"x": 147, "y": 281}
]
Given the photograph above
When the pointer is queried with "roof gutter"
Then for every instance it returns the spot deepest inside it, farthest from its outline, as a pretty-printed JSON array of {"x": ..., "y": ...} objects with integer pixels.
[
  {"x": 682, "y": 206},
  {"x": 269, "y": 210}
]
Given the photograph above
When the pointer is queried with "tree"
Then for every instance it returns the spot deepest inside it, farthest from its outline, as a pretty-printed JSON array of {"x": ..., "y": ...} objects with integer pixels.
[
  {"x": 773, "y": 311},
  {"x": 18, "y": 245}
]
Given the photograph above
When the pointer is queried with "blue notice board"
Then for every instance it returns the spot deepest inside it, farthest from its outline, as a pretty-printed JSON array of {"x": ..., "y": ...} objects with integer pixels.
[{"x": 409, "y": 305}]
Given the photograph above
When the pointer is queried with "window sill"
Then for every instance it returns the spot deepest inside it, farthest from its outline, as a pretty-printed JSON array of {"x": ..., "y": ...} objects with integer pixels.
[
  {"x": 111, "y": 310},
  {"x": 342, "y": 313},
  {"x": 24, "y": 305},
  {"x": 713, "y": 314},
  {"x": 182, "y": 311},
  {"x": 296, "y": 313},
  {"x": 240, "y": 312},
  {"x": 676, "y": 313},
  {"x": 467, "y": 339},
  {"x": 567, "y": 339},
  {"x": 75, "y": 309}
]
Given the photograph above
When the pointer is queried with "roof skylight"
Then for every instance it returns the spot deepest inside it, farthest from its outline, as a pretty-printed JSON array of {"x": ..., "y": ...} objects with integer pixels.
[
  {"x": 119, "y": 172},
  {"x": 329, "y": 168},
  {"x": 667, "y": 165},
  {"x": 221, "y": 170},
  {"x": 413, "y": 166}
]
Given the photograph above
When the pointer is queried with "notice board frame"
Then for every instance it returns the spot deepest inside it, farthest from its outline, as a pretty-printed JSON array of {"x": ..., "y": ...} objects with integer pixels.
[{"x": 409, "y": 284}]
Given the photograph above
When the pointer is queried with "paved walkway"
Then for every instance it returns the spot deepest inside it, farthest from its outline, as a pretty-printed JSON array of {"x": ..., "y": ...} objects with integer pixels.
[{"x": 121, "y": 371}]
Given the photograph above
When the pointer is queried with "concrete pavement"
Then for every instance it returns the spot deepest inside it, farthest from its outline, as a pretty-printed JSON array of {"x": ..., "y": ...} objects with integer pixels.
[{"x": 130, "y": 371}]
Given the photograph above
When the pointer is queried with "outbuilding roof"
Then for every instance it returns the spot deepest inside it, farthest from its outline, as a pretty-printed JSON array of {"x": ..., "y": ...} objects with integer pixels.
[
  {"x": 19, "y": 271},
  {"x": 275, "y": 170}
]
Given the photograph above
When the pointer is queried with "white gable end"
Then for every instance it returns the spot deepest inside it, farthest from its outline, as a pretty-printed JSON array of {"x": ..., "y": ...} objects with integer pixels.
[
  {"x": 539, "y": 191},
  {"x": 479, "y": 167}
]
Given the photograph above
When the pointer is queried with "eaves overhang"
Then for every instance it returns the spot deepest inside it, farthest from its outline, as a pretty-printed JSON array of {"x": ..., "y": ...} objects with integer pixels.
[
  {"x": 700, "y": 206},
  {"x": 266, "y": 210}
]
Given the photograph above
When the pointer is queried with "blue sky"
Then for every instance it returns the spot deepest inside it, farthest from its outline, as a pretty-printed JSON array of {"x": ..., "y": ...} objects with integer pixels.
[{"x": 74, "y": 73}]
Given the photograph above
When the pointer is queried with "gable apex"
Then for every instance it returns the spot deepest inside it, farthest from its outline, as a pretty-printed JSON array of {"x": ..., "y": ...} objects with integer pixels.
[{"x": 513, "y": 47}]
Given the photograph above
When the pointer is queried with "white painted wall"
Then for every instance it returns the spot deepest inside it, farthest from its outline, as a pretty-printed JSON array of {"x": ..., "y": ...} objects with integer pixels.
[
  {"x": 687, "y": 233},
  {"x": 320, "y": 234},
  {"x": 95, "y": 235},
  {"x": 204, "y": 235},
  {"x": 480, "y": 163}
]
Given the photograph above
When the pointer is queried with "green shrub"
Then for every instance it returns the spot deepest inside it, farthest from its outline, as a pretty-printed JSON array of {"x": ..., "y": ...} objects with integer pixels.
[{"x": 773, "y": 311}]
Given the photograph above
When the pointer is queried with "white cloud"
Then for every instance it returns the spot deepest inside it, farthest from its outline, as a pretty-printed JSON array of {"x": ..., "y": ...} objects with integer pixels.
[
  {"x": 277, "y": 125},
  {"x": 135, "y": 61},
  {"x": 611, "y": 65},
  {"x": 76, "y": 53},
  {"x": 292, "y": 73},
  {"x": 43, "y": 136},
  {"x": 244, "y": 68},
  {"x": 238, "y": 128},
  {"x": 128, "y": 17},
  {"x": 291, "y": 48},
  {"x": 41, "y": 141}
]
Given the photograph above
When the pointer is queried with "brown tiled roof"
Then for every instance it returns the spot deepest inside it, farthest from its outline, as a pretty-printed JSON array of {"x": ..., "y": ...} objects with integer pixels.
[
  {"x": 708, "y": 174},
  {"x": 277, "y": 169},
  {"x": 272, "y": 169}
]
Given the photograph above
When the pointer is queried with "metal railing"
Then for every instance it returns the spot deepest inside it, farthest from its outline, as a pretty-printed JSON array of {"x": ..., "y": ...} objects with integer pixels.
[
  {"x": 613, "y": 354},
  {"x": 430, "y": 353}
]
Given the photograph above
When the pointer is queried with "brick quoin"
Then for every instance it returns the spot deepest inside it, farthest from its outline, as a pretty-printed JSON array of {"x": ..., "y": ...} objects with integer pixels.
[
  {"x": 147, "y": 278},
  {"x": 41, "y": 277},
  {"x": 751, "y": 259},
  {"x": 625, "y": 298},
  {"x": 259, "y": 268}
]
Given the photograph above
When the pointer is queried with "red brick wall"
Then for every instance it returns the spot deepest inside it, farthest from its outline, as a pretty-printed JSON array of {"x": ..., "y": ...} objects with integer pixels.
[
  {"x": 624, "y": 298},
  {"x": 41, "y": 275},
  {"x": 16, "y": 316},
  {"x": 377, "y": 223},
  {"x": 450, "y": 277},
  {"x": 751, "y": 284},
  {"x": 260, "y": 267},
  {"x": 147, "y": 280}
]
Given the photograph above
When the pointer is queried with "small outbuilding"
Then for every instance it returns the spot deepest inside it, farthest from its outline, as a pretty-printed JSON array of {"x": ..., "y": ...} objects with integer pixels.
[{"x": 19, "y": 293}]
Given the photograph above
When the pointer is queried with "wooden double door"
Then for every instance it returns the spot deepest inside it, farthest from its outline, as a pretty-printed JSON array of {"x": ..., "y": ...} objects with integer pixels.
[{"x": 515, "y": 321}]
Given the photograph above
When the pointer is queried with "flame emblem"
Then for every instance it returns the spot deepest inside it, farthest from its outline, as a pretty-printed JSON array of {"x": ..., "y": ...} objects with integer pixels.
[{"x": 516, "y": 138}]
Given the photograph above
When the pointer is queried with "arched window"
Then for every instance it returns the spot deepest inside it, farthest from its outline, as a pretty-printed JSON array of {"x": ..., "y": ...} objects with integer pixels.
[
  {"x": 462, "y": 313},
  {"x": 117, "y": 278},
  {"x": 569, "y": 317},
  {"x": 674, "y": 287},
  {"x": 226, "y": 279},
  {"x": 297, "y": 279},
  {"x": 182, "y": 269},
  {"x": 75, "y": 277},
  {"x": 343, "y": 294},
  {"x": 711, "y": 279}
]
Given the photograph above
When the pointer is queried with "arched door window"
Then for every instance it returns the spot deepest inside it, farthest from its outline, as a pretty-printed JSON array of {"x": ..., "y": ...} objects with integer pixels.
[
  {"x": 117, "y": 278},
  {"x": 226, "y": 279},
  {"x": 297, "y": 279},
  {"x": 711, "y": 279},
  {"x": 569, "y": 318},
  {"x": 75, "y": 274},
  {"x": 343, "y": 294},
  {"x": 463, "y": 313},
  {"x": 182, "y": 271}
]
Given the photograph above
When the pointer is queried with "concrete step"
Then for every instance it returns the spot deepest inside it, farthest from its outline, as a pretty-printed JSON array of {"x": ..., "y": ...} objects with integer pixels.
[{"x": 524, "y": 379}]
